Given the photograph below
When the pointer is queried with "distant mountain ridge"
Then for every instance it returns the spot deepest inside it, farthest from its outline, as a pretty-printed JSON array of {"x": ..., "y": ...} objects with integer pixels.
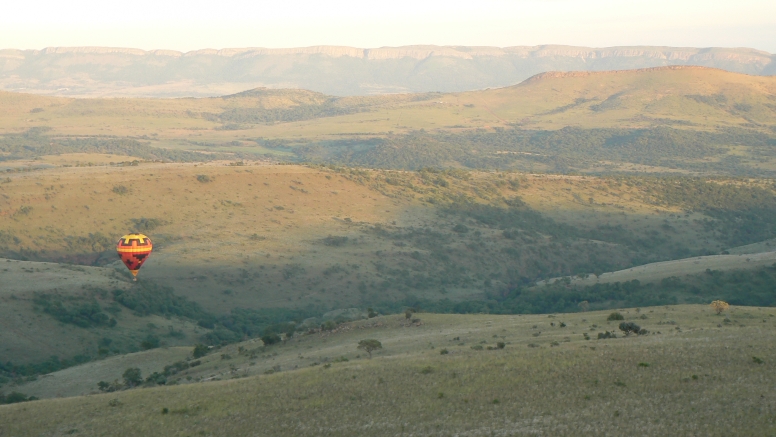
[{"x": 335, "y": 70}]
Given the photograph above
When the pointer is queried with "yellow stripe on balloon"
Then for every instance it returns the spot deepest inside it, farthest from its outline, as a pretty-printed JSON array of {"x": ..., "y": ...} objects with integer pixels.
[{"x": 133, "y": 249}]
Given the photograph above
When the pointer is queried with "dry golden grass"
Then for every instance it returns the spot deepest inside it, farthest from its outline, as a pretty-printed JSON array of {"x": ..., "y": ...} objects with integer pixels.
[
  {"x": 628, "y": 99},
  {"x": 696, "y": 377}
]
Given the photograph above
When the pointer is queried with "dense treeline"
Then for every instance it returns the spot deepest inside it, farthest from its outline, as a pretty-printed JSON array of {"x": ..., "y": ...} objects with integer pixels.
[
  {"x": 10, "y": 370},
  {"x": 74, "y": 311},
  {"x": 300, "y": 105},
  {"x": 148, "y": 298},
  {"x": 738, "y": 287},
  {"x": 564, "y": 150},
  {"x": 328, "y": 108},
  {"x": 703, "y": 194},
  {"x": 35, "y": 143},
  {"x": 742, "y": 213}
]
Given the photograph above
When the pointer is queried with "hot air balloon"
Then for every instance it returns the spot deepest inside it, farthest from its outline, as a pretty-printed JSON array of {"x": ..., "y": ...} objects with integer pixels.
[{"x": 133, "y": 250}]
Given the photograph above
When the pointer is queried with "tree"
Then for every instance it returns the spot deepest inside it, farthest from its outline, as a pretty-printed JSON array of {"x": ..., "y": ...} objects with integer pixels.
[
  {"x": 150, "y": 342},
  {"x": 132, "y": 377},
  {"x": 369, "y": 345},
  {"x": 200, "y": 350},
  {"x": 719, "y": 306}
]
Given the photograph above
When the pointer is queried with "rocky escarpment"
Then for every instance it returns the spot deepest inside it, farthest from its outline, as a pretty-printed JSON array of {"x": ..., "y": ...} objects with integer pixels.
[
  {"x": 562, "y": 74},
  {"x": 105, "y": 71}
]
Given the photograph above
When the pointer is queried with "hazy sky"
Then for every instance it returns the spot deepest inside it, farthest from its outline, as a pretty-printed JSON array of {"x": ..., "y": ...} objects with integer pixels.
[{"x": 193, "y": 24}]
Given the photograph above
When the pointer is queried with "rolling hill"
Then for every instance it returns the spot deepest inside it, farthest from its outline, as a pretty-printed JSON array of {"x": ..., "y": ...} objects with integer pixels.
[
  {"x": 239, "y": 248},
  {"x": 375, "y": 218},
  {"x": 688, "y": 120},
  {"x": 482, "y": 237}
]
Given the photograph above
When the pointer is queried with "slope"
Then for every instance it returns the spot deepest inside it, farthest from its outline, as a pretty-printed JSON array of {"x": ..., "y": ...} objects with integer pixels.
[
  {"x": 436, "y": 376},
  {"x": 239, "y": 248}
]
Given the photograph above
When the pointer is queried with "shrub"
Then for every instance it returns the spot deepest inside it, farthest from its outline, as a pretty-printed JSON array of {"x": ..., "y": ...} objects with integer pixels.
[
  {"x": 147, "y": 224},
  {"x": 615, "y": 316},
  {"x": 460, "y": 228},
  {"x": 605, "y": 335},
  {"x": 270, "y": 339},
  {"x": 328, "y": 325},
  {"x": 204, "y": 178},
  {"x": 500, "y": 345},
  {"x": 120, "y": 189},
  {"x": 156, "y": 378},
  {"x": 108, "y": 387},
  {"x": 632, "y": 328},
  {"x": 336, "y": 241},
  {"x": 16, "y": 397},
  {"x": 444, "y": 352}
]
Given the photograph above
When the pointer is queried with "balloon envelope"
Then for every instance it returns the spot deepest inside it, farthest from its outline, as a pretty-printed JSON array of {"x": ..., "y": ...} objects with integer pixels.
[{"x": 134, "y": 250}]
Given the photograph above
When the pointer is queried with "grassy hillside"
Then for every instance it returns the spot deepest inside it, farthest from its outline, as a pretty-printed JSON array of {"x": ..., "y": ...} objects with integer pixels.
[
  {"x": 242, "y": 245},
  {"x": 239, "y": 248},
  {"x": 663, "y": 120},
  {"x": 445, "y": 374}
]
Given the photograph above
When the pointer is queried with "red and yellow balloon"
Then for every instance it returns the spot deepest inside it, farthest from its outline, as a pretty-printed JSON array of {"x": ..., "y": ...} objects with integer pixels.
[{"x": 134, "y": 250}]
